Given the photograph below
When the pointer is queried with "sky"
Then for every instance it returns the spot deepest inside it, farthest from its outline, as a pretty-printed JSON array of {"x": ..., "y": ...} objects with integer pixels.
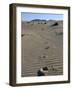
[{"x": 28, "y": 16}]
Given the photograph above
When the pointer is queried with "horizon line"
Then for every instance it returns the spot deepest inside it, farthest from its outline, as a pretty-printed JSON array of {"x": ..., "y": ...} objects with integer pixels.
[{"x": 42, "y": 19}]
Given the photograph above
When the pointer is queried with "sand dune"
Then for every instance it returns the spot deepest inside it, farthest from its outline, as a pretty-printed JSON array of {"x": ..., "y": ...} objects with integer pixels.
[{"x": 42, "y": 45}]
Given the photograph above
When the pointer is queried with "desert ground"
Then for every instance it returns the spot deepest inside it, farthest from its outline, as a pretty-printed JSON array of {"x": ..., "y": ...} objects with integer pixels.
[{"x": 42, "y": 46}]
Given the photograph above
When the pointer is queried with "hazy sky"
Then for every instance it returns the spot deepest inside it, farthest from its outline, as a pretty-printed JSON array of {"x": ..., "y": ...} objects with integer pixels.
[{"x": 27, "y": 16}]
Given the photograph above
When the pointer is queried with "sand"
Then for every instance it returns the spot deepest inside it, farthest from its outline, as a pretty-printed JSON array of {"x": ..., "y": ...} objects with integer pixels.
[{"x": 42, "y": 46}]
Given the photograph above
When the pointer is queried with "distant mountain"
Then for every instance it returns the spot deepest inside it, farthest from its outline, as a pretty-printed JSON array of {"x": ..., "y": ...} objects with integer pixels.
[
  {"x": 42, "y": 20},
  {"x": 48, "y": 22},
  {"x": 38, "y": 20}
]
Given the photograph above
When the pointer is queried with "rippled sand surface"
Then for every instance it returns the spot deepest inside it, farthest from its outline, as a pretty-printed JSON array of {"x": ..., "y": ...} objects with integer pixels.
[{"x": 42, "y": 46}]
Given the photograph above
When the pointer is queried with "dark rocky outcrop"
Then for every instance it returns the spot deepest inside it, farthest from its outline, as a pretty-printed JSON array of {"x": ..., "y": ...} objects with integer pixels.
[{"x": 55, "y": 24}]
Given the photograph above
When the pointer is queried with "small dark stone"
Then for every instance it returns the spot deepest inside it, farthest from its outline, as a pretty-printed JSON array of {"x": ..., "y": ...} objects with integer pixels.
[
  {"x": 45, "y": 68},
  {"x": 44, "y": 22},
  {"x": 40, "y": 73},
  {"x": 44, "y": 56},
  {"x": 47, "y": 47},
  {"x": 22, "y": 35}
]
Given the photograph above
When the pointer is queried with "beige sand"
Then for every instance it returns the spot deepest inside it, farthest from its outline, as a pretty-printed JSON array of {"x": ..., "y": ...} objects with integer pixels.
[{"x": 42, "y": 45}]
